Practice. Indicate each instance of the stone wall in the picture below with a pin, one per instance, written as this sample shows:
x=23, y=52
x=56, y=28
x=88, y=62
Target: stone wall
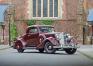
x=67, y=24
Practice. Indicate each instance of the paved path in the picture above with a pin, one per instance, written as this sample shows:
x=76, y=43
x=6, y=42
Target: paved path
x=86, y=50
x=10, y=57
x=60, y=58
x=2, y=47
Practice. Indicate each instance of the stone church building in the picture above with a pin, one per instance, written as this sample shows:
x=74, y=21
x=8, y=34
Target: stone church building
x=64, y=13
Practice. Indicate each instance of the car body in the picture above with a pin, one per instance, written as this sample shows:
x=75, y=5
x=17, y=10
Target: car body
x=44, y=37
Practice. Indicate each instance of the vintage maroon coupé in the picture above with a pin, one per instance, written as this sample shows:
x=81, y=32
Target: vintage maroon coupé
x=43, y=37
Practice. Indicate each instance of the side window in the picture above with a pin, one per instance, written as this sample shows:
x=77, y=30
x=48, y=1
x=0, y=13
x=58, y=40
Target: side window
x=33, y=30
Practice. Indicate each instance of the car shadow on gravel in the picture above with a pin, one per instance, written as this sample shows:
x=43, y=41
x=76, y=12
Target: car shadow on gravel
x=35, y=52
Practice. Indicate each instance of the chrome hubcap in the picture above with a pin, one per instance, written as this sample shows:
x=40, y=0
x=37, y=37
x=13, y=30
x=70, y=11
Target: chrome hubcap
x=50, y=47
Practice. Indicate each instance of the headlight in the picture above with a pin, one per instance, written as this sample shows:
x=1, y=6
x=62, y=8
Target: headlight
x=59, y=36
x=69, y=37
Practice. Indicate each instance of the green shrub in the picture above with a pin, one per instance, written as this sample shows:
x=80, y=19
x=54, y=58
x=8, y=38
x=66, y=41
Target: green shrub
x=13, y=32
x=43, y=22
x=47, y=22
x=31, y=22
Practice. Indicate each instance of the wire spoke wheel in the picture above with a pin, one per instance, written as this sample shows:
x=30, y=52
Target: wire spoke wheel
x=70, y=50
x=49, y=48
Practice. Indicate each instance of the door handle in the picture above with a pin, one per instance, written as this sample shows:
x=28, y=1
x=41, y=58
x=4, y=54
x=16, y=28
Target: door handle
x=28, y=35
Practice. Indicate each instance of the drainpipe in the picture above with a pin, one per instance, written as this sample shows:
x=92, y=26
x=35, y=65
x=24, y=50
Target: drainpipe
x=83, y=35
x=92, y=36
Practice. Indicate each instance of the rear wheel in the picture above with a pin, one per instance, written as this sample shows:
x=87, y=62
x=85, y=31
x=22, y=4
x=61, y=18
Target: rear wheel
x=41, y=50
x=49, y=48
x=19, y=49
x=70, y=50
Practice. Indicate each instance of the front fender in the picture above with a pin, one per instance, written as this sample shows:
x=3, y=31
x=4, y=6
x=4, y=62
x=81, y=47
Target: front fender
x=52, y=40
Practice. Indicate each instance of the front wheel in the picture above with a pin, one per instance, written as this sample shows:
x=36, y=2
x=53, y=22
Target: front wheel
x=49, y=48
x=70, y=50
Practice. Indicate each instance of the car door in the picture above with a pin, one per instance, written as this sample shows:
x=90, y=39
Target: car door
x=33, y=37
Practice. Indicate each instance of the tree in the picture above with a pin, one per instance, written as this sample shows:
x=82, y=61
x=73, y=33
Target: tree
x=13, y=31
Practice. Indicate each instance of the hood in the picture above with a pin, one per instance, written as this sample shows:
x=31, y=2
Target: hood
x=51, y=34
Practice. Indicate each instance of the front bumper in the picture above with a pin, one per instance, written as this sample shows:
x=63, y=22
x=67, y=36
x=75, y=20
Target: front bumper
x=66, y=46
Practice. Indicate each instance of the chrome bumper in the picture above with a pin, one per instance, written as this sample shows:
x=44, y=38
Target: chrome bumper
x=70, y=46
x=67, y=46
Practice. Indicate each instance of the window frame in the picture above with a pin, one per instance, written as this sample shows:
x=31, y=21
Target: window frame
x=60, y=11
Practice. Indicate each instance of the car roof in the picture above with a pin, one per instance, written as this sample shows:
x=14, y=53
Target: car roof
x=40, y=26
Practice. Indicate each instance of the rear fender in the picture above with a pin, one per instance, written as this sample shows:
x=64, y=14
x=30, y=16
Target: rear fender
x=20, y=43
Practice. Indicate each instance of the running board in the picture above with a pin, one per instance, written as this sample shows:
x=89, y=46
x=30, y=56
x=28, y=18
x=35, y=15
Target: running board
x=29, y=47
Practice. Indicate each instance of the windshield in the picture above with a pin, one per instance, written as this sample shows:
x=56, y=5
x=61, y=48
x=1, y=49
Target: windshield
x=46, y=29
